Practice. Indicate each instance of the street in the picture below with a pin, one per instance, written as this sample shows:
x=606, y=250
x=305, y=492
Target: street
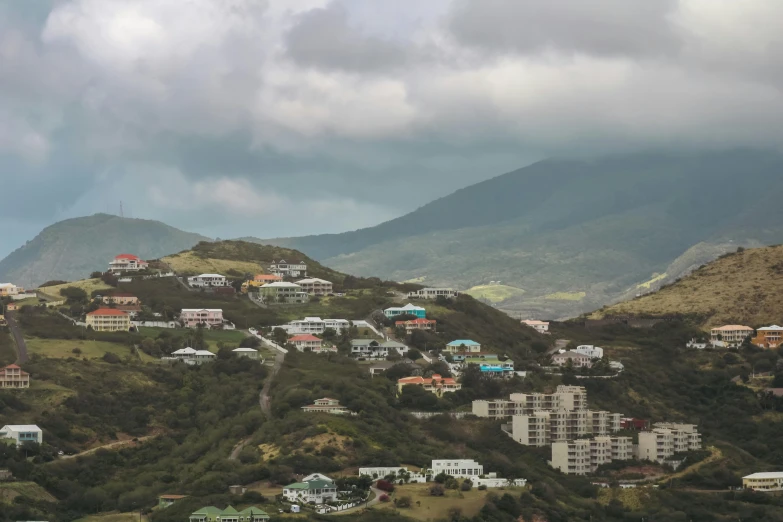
x=16, y=332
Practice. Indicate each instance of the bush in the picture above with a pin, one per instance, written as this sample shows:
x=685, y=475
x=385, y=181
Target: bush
x=111, y=358
x=436, y=490
x=404, y=502
x=466, y=485
x=482, y=487
x=77, y=351
x=385, y=485
x=384, y=498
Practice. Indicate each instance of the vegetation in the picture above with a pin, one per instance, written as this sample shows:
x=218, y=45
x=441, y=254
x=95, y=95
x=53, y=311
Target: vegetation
x=494, y=293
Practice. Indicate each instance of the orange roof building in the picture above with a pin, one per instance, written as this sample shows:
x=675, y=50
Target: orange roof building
x=730, y=335
x=768, y=336
x=267, y=278
x=108, y=320
x=12, y=376
x=436, y=384
x=417, y=324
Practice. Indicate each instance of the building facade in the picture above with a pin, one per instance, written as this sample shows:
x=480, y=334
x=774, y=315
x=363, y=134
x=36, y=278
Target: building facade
x=568, y=398
x=730, y=335
x=766, y=481
x=433, y=293
x=314, y=325
x=578, y=360
x=192, y=356
x=768, y=337
x=666, y=439
x=458, y=468
x=318, y=491
x=127, y=263
x=416, y=324
x=374, y=349
x=539, y=326
x=315, y=286
x=108, y=320
x=9, y=289
x=408, y=309
x=326, y=405
x=462, y=346
x=435, y=384
x=208, y=280
x=306, y=342
x=213, y=514
x=544, y=427
x=250, y=353
x=209, y=317
x=596, y=352
x=583, y=456
x=12, y=376
x=120, y=299
x=282, y=292
x=22, y=433
x=283, y=268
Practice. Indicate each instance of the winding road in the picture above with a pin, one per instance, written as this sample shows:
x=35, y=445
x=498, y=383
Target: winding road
x=16, y=332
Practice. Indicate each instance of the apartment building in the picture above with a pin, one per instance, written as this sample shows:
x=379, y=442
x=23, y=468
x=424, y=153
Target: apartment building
x=315, y=286
x=208, y=280
x=730, y=335
x=108, y=320
x=542, y=428
x=580, y=457
x=768, y=336
x=767, y=481
x=564, y=398
x=433, y=293
x=282, y=292
x=127, y=263
x=463, y=468
x=210, y=317
x=416, y=324
x=12, y=376
x=666, y=439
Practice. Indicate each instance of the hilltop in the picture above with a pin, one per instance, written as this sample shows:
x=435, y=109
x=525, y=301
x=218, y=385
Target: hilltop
x=742, y=287
x=73, y=248
x=573, y=235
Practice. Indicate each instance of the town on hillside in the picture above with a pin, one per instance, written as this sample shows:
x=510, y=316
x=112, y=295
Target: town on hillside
x=283, y=378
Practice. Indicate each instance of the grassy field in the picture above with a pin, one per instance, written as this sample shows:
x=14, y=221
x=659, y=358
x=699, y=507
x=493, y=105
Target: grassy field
x=436, y=508
x=88, y=285
x=741, y=288
x=211, y=336
x=189, y=263
x=10, y=490
x=566, y=296
x=495, y=293
x=114, y=517
x=60, y=348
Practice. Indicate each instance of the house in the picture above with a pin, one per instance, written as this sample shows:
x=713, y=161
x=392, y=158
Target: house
x=766, y=481
x=192, y=356
x=435, y=384
x=259, y=280
x=666, y=439
x=282, y=292
x=165, y=501
x=372, y=348
x=583, y=456
x=108, y=320
x=462, y=345
x=433, y=293
x=208, y=317
x=768, y=336
x=595, y=352
x=416, y=324
x=315, y=286
x=314, y=325
x=578, y=360
x=250, y=353
x=8, y=289
x=283, y=268
x=312, y=491
x=22, y=433
x=213, y=514
x=492, y=367
x=457, y=468
x=539, y=326
x=327, y=405
x=120, y=299
x=12, y=376
x=127, y=263
x=476, y=356
x=730, y=335
x=207, y=280
x=306, y=342
x=397, y=473
x=408, y=309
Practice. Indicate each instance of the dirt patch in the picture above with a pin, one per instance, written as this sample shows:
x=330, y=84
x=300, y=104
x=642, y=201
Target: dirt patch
x=268, y=451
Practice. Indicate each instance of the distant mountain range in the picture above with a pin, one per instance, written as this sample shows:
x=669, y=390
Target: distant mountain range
x=73, y=248
x=565, y=237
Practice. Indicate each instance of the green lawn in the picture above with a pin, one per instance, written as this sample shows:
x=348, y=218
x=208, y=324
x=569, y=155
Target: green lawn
x=61, y=348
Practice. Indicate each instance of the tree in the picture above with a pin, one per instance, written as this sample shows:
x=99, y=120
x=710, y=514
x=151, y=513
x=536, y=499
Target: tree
x=404, y=502
x=437, y=490
x=413, y=354
x=279, y=336
x=466, y=485
x=74, y=295
x=330, y=334
x=416, y=397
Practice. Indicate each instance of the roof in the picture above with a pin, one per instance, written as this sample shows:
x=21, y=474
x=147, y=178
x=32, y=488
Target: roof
x=204, y=352
x=729, y=327
x=408, y=306
x=419, y=320
x=209, y=510
x=571, y=355
x=244, y=350
x=184, y=351
x=172, y=497
x=127, y=256
x=202, y=310
x=22, y=427
x=466, y=342
x=765, y=475
x=12, y=366
x=210, y=275
x=534, y=321
x=427, y=380
x=313, y=484
x=304, y=337
x=297, y=485
x=281, y=284
x=7, y=285
x=774, y=327
x=314, y=280
x=107, y=311
x=120, y=294
x=267, y=277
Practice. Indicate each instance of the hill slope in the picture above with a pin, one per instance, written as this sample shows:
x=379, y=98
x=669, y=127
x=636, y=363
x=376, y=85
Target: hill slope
x=743, y=288
x=599, y=227
x=75, y=247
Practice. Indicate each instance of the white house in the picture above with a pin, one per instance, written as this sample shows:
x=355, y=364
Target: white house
x=458, y=468
x=207, y=280
x=596, y=352
x=539, y=326
x=127, y=263
x=314, y=489
x=315, y=286
x=9, y=289
x=397, y=473
x=764, y=481
x=372, y=348
x=408, y=309
x=250, y=353
x=433, y=293
x=192, y=356
x=283, y=268
x=463, y=345
x=314, y=325
x=22, y=433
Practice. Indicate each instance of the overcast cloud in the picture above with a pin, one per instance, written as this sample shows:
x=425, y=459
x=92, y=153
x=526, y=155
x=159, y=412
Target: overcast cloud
x=282, y=117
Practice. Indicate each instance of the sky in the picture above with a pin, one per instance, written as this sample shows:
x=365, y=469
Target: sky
x=290, y=117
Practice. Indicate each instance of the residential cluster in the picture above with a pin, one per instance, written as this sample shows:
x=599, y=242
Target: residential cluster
x=213, y=514
x=457, y=468
x=733, y=335
x=582, y=439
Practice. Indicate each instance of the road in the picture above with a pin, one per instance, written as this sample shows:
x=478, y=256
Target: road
x=560, y=344
x=111, y=445
x=21, y=346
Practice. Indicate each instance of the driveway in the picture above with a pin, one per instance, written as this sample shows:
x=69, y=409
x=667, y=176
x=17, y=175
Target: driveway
x=16, y=332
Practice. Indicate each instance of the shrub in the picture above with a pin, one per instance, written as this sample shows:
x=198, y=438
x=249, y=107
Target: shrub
x=466, y=485
x=77, y=351
x=404, y=502
x=111, y=358
x=384, y=485
x=436, y=490
x=482, y=487
x=384, y=498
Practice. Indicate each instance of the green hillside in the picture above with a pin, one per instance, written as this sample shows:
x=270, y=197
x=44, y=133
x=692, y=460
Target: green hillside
x=74, y=248
x=600, y=227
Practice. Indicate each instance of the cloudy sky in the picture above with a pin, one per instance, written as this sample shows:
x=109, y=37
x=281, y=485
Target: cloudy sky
x=287, y=117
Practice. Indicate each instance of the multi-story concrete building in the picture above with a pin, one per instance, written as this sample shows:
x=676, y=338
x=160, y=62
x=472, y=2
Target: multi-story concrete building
x=127, y=263
x=315, y=286
x=433, y=293
x=282, y=292
x=730, y=335
x=580, y=457
x=666, y=439
x=209, y=317
x=416, y=324
x=283, y=268
x=765, y=481
x=564, y=398
x=208, y=280
x=12, y=376
x=462, y=468
x=314, y=325
x=108, y=320
x=768, y=336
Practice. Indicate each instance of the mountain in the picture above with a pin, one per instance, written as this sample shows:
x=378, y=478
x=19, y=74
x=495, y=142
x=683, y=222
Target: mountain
x=573, y=235
x=738, y=288
x=73, y=248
